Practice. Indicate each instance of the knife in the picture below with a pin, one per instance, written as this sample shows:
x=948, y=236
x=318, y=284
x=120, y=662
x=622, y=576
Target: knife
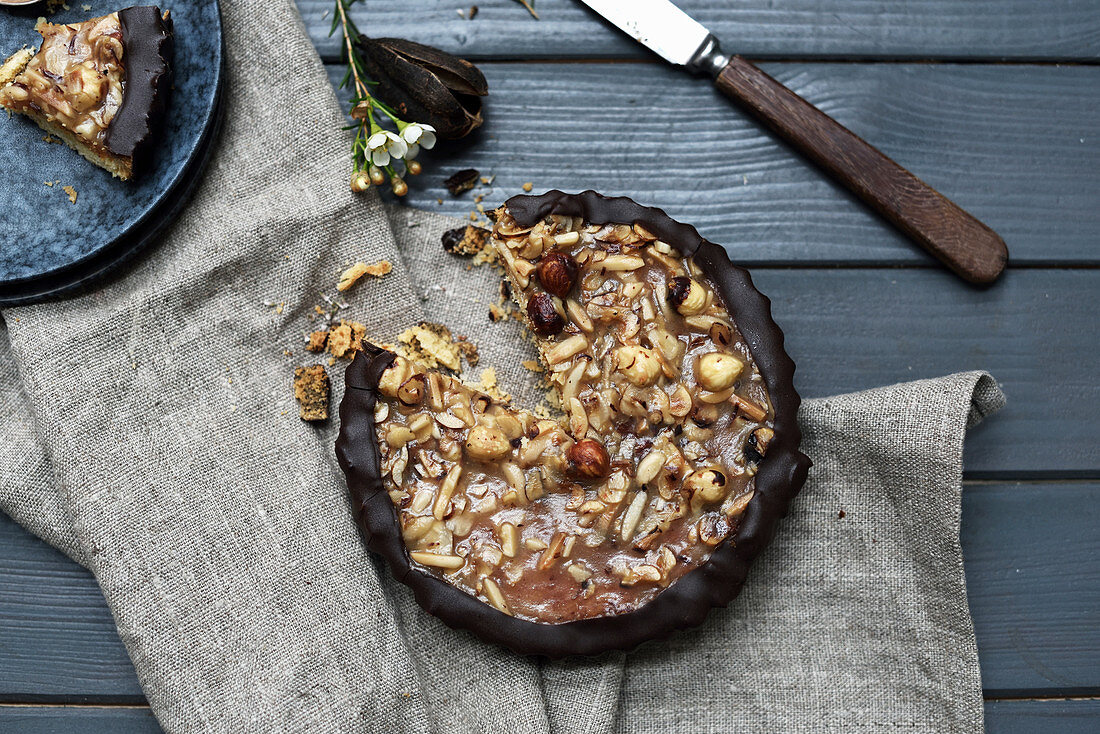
x=966, y=246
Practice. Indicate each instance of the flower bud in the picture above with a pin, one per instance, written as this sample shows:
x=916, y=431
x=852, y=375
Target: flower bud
x=413, y=167
x=377, y=177
x=360, y=182
x=399, y=187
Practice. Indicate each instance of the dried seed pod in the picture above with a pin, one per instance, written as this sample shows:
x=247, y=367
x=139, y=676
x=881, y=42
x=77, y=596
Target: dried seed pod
x=557, y=273
x=457, y=183
x=687, y=295
x=425, y=84
x=588, y=458
x=545, y=319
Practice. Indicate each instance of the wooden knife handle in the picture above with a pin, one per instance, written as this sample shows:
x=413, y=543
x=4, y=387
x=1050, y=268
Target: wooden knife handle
x=972, y=250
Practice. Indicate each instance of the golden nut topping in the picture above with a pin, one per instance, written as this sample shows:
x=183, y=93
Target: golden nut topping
x=638, y=364
x=86, y=86
x=392, y=378
x=485, y=443
x=717, y=371
x=708, y=485
x=412, y=390
x=545, y=319
x=588, y=458
x=688, y=296
x=557, y=272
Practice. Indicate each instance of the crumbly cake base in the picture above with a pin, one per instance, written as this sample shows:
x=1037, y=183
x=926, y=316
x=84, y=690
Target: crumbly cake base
x=118, y=167
x=13, y=66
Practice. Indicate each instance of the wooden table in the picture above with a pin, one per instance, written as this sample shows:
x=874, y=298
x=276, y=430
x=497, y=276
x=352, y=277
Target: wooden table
x=994, y=103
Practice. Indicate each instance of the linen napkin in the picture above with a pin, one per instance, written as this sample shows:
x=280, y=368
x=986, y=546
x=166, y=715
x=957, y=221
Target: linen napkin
x=151, y=434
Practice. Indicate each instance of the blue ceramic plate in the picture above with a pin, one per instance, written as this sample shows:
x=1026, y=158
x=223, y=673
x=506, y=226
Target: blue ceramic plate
x=49, y=246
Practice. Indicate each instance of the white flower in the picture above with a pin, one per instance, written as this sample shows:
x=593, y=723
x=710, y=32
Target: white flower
x=384, y=145
x=414, y=151
x=419, y=134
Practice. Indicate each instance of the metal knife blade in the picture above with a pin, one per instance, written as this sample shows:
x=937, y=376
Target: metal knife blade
x=658, y=25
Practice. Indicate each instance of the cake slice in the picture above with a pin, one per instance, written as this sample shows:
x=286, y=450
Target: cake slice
x=100, y=85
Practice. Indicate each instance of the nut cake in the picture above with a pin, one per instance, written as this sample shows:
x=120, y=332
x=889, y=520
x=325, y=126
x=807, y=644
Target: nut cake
x=99, y=85
x=642, y=506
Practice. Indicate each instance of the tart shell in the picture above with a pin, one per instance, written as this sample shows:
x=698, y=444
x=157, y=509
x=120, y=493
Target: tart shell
x=686, y=602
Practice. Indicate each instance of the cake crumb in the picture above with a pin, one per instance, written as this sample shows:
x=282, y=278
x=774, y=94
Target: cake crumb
x=488, y=385
x=49, y=183
x=71, y=192
x=468, y=240
x=432, y=344
x=352, y=275
x=532, y=365
x=315, y=342
x=528, y=187
x=468, y=350
x=841, y=515
x=312, y=390
x=340, y=340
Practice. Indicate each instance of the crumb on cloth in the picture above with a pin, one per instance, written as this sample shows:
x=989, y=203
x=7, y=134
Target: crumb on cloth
x=433, y=345
x=312, y=391
x=352, y=275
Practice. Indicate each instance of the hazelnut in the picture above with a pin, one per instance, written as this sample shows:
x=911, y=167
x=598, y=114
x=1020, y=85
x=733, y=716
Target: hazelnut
x=588, y=458
x=763, y=436
x=687, y=296
x=393, y=377
x=485, y=443
x=557, y=273
x=718, y=371
x=411, y=391
x=709, y=485
x=720, y=334
x=544, y=318
x=638, y=364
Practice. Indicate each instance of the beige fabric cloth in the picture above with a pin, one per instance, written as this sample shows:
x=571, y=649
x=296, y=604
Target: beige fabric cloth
x=151, y=433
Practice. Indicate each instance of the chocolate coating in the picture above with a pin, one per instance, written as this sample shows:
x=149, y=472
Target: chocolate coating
x=686, y=602
x=147, y=38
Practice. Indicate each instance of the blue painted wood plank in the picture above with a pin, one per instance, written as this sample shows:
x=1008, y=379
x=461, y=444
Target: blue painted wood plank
x=1043, y=717
x=942, y=29
x=983, y=135
x=58, y=641
x=1035, y=331
x=1032, y=560
x=77, y=720
x=1031, y=555
x=1001, y=717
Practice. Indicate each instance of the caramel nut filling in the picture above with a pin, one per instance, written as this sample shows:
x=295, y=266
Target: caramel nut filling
x=75, y=80
x=665, y=418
